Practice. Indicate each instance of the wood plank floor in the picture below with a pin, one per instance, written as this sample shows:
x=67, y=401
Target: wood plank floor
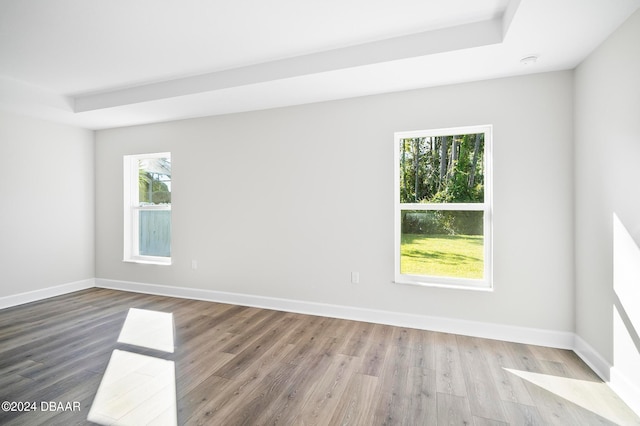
x=240, y=365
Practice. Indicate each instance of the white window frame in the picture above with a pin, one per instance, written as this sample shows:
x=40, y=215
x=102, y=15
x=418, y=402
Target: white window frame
x=486, y=282
x=132, y=208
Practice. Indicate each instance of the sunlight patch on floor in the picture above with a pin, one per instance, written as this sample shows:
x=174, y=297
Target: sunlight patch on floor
x=596, y=397
x=139, y=389
x=136, y=390
x=148, y=329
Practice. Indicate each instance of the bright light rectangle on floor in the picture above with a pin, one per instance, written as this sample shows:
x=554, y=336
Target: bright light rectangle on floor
x=149, y=329
x=136, y=390
x=594, y=396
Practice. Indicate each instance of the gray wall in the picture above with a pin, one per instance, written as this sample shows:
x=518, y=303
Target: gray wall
x=47, y=199
x=607, y=200
x=287, y=202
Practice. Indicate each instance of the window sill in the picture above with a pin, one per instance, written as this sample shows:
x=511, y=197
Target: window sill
x=149, y=261
x=449, y=286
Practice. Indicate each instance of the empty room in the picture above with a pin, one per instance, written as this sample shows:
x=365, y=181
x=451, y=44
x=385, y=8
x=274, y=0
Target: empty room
x=382, y=213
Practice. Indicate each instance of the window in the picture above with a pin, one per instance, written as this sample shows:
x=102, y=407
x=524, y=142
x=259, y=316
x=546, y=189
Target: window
x=147, y=208
x=443, y=207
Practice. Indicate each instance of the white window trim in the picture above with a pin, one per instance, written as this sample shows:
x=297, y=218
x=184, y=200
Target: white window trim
x=486, y=282
x=131, y=210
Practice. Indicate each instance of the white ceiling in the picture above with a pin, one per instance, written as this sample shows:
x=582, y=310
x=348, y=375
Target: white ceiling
x=100, y=64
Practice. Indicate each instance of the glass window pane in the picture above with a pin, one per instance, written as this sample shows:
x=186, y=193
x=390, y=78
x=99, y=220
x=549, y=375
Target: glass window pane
x=154, y=178
x=442, y=243
x=155, y=233
x=442, y=169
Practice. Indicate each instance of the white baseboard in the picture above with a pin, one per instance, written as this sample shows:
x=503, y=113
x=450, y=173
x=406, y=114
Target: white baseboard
x=625, y=389
x=533, y=336
x=45, y=293
x=592, y=358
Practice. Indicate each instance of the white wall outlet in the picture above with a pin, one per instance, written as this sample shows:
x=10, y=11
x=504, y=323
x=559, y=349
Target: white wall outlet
x=194, y=264
x=355, y=277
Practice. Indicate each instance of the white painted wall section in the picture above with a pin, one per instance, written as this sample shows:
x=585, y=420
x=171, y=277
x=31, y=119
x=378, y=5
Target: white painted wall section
x=607, y=153
x=286, y=203
x=47, y=214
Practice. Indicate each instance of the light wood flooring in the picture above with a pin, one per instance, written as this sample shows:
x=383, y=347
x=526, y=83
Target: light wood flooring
x=240, y=365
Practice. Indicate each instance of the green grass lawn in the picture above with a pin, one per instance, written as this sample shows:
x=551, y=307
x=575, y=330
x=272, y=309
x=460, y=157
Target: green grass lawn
x=459, y=256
